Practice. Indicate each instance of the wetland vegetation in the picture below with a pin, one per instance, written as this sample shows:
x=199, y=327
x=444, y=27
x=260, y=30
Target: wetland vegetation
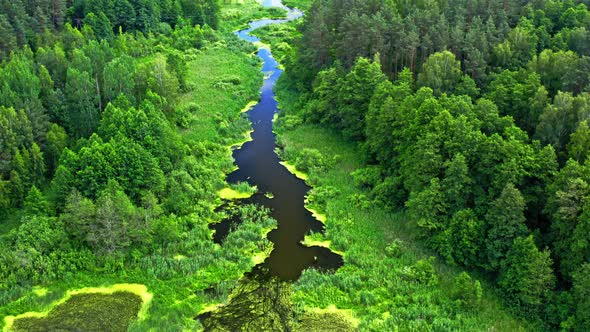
x=371, y=165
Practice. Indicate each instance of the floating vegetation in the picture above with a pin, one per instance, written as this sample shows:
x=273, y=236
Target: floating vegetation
x=239, y=191
x=258, y=303
x=88, y=309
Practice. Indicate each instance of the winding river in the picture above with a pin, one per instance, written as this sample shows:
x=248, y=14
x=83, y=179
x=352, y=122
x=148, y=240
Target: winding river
x=260, y=301
x=259, y=165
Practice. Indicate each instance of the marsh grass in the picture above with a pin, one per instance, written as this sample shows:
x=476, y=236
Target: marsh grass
x=193, y=273
x=301, y=4
x=235, y=15
x=280, y=37
x=219, y=117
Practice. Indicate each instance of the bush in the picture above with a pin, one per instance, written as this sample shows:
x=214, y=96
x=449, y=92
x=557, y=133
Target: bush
x=367, y=177
x=390, y=193
x=227, y=81
x=321, y=195
x=466, y=292
x=310, y=159
x=424, y=272
x=289, y=122
x=395, y=248
x=182, y=117
x=360, y=201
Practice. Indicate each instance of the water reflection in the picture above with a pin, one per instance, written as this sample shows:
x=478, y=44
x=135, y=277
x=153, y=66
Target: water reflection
x=260, y=302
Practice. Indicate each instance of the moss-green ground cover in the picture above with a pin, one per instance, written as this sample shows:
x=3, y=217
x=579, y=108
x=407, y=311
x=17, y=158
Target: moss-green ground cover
x=91, y=309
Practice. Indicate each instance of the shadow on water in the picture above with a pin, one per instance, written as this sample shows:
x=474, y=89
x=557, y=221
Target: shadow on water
x=261, y=300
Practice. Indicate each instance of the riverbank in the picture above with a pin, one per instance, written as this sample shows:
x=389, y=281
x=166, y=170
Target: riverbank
x=190, y=273
x=388, y=281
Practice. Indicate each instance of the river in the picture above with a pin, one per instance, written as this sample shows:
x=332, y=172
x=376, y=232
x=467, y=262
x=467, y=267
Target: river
x=259, y=165
x=261, y=300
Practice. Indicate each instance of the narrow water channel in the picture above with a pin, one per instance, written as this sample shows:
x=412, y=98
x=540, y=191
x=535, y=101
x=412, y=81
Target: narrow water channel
x=261, y=300
x=259, y=165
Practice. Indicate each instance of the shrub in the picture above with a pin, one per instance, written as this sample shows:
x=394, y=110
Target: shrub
x=466, y=292
x=182, y=117
x=321, y=195
x=367, y=177
x=395, y=248
x=310, y=159
x=390, y=193
x=227, y=81
x=289, y=122
x=360, y=201
x=424, y=272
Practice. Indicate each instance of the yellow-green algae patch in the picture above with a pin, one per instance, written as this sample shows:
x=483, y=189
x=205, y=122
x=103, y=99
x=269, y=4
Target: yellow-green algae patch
x=92, y=308
x=249, y=106
x=310, y=242
x=232, y=194
x=293, y=170
x=247, y=138
x=260, y=257
x=319, y=240
x=329, y=319
x=319, y=216
x=40, y=291
x=210, y=308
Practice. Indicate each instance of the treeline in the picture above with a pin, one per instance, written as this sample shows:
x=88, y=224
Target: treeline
x=31, y=22
x=473, y=116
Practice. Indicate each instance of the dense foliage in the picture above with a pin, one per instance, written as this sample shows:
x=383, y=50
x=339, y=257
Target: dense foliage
x=33, y=22
x=101, y=181
x=473, y=116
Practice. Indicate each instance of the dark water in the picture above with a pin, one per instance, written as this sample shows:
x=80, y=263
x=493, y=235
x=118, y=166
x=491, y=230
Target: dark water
x=259, y=165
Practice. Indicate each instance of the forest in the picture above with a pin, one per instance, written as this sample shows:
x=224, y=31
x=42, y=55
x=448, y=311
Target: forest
x=115, y=123
x=445, y=142
x=472, y=117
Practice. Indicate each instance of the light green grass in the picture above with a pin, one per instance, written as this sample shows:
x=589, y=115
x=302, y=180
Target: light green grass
x=219, y=106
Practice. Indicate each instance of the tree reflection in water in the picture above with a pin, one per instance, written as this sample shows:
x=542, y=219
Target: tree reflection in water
x=260, y=302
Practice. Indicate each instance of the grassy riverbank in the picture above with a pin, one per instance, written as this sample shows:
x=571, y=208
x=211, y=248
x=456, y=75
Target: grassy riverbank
x=389, y=281
x=301, y=4
x=189, y=273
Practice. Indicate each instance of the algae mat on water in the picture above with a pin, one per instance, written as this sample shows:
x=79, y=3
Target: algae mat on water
x=89, y=309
